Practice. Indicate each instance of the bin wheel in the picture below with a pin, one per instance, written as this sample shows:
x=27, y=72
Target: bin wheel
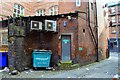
x=35, y=68
x=49, y=68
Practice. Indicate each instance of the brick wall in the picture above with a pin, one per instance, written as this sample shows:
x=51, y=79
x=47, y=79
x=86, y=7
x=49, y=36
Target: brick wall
x=9, y=11
x=117, y=21
x=43, y=5
x=70, y=29
x=63, y=7
x=86, y=42
x=74, y=27
x=103, y=29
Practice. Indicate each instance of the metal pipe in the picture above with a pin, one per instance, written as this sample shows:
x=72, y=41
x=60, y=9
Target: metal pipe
x=20, y=21
x=94, y=40
x=8, y=25
x=97, y=55
x=117, y=37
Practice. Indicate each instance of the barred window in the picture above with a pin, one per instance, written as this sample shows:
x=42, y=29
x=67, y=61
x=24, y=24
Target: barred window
x=53, y=10
x=118, y=8
x=113, y=19
x=4, y=37
x=119, y=18
x=113, y=9
x=18, y=10
x=40, y=12
x=113, y=30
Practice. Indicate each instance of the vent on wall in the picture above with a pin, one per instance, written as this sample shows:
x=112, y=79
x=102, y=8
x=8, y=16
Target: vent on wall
x=50, y=25
x=36, y=25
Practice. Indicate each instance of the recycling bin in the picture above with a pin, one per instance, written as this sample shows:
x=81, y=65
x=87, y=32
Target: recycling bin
x=3, y=59
x=41, y=58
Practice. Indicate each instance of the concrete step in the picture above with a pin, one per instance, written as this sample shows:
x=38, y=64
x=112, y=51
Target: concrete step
x=67, y=65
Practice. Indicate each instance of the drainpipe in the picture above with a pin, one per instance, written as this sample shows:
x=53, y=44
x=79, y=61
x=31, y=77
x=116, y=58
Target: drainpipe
x=96, y=25
x=93, y=37
x=117, y=38
x=8, y=25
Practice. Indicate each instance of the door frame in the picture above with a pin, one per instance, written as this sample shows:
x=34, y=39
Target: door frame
x=66, y=34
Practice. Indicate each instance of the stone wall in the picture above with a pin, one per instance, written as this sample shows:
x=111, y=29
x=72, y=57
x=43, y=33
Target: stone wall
x=16, y=54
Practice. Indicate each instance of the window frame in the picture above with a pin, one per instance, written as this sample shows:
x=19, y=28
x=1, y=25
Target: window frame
x=20, y=10
x=118, y=8
x=113, y=9
x=78, y=2
x=112, y=30
x=39, y=0
x=53, y=10
x=91, y=5
x=6, y=33
x=113, y=19
x=118, y=18
x=40, y=12
x=56, y=10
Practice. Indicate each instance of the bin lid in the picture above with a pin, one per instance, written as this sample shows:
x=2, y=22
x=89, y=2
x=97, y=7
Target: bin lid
x=3, y=51
x=36, y=50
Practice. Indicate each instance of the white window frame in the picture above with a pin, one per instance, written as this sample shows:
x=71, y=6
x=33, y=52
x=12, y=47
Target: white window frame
x=113, y=30
x=40, y=12
x=4, y=32
x=52, y=10
x=39, y=0
x=119, y=18
x=56, y=10
x=78, y=2
x=113, y=10
x=20, y=8
x=113, y=19
x=118, y=8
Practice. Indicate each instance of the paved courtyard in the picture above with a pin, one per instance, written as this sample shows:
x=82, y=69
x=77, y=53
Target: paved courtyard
x=104, y=69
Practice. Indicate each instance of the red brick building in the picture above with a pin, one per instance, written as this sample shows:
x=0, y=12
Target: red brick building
x=76, y=34
x=114, y=26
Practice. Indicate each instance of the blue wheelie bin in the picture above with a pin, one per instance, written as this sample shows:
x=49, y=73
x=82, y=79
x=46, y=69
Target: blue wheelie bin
x=41, y=58
x=3, y=59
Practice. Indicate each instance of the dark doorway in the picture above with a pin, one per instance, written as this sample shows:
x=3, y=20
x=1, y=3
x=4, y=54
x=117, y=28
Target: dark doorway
x=113, y=46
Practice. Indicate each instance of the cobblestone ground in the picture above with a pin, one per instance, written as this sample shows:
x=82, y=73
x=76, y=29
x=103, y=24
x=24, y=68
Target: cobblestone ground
x=104, y=69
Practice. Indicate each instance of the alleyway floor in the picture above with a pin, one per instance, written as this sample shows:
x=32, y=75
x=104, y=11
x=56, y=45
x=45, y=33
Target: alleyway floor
x=104, y=69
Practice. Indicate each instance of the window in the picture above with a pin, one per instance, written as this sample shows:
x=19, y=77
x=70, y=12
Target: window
x=78, y=2
x=112, y=9
x=118, y=8
x=4, y=37
x=18, y=10
x=53, y=10
x=113, y=19
x=91, y=6
x=56, y=10
x=113, y=30
x=119, y=18
x=39, y=0
x=40, y=12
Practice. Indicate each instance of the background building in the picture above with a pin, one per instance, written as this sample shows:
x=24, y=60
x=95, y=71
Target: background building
x=114, y=26
x=103, y=29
